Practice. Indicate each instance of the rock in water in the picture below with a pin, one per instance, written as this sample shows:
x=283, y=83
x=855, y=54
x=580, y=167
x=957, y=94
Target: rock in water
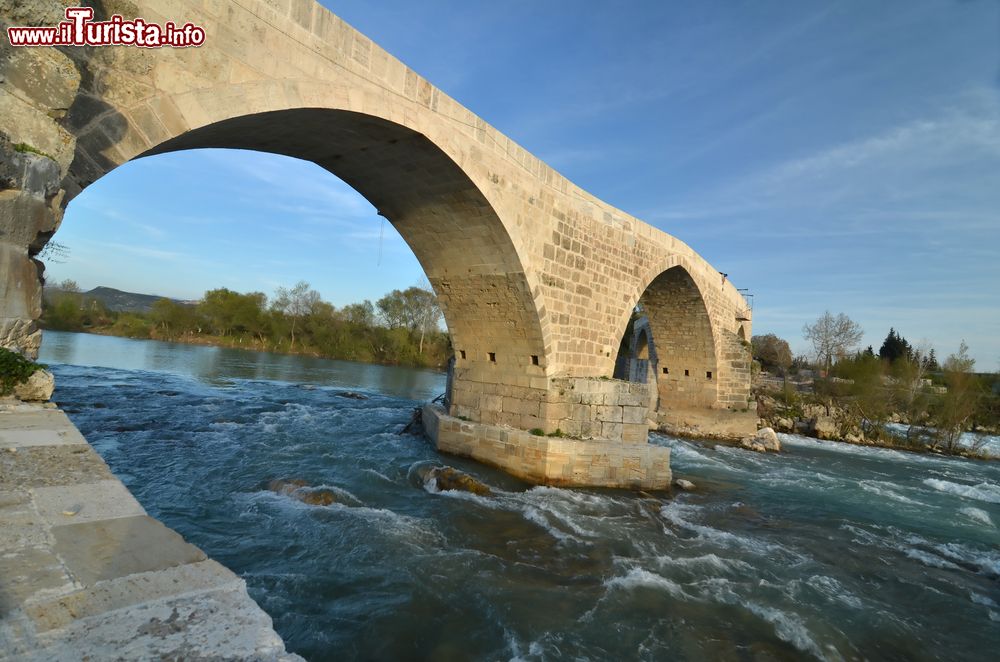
x=684, y=484
x=751, y=444
x=352, y=395
x=286, y=485
x=452, y=479
x=447, y=478
x=767, y=438
x=300, y=490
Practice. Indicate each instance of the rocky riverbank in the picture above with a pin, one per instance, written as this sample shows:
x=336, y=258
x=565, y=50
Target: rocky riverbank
x=831, y=422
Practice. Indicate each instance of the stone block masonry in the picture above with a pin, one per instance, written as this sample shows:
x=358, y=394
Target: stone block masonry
x=85, y=573
x=550, y=460
x=537, y=278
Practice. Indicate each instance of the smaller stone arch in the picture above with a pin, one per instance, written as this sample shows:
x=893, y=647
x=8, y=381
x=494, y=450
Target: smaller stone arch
x=679, y=323
x=698, y=349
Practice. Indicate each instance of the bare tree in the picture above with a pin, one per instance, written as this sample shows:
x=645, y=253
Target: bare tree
x=68, y=285
x=295, y=303
x=832, y=337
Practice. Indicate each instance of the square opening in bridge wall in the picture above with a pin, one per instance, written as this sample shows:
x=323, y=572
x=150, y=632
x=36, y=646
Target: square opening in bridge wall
x=666, y=371
x=493, y=357
x=534, y=359
x=708, y=374
x=461, y=353
x=687, y=373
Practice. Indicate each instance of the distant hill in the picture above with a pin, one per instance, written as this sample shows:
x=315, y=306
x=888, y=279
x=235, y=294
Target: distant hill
x=122, y=302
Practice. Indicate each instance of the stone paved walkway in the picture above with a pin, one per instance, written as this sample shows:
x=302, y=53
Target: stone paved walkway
x=85, y=573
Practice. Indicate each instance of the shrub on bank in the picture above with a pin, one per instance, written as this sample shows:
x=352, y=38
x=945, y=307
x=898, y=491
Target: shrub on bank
x=15, y=369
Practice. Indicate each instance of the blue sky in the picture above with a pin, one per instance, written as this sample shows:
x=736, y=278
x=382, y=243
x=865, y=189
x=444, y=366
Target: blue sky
x=841, y=156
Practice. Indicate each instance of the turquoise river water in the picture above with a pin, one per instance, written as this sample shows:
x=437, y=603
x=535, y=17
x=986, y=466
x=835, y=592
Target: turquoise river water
x=825, y=551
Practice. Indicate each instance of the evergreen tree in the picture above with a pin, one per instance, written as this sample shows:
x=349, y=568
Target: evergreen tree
x=930, y=362
x=895, y=347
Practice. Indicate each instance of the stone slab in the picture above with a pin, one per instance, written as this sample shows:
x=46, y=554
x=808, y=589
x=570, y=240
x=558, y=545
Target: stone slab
x=16, y=416
x=20, y=524
x=28, y=571
x=110, y=595
x=41, y=466
x=224, y=624
x=39, y=437
x=107, y=582
x=106, y=549
x=87, y=502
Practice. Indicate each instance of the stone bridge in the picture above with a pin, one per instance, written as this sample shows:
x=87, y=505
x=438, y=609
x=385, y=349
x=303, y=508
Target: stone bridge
x=538, y=279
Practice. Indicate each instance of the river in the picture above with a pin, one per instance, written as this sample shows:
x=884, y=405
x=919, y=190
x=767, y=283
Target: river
x=826, y=551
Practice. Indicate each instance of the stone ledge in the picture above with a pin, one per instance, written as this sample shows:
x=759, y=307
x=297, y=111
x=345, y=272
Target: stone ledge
x=723, y=424
x=85, y=574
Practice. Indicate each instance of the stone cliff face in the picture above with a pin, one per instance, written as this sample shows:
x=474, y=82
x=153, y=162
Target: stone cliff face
x=39, y=88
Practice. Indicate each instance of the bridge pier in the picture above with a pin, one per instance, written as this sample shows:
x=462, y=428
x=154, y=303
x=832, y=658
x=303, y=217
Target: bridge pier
x=578, y=431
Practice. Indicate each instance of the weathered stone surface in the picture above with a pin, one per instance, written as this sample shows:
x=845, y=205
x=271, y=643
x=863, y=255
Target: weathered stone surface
x=448, y=478
x=108, y=595
x=784, y=424
x=44, y=75
x=767, y=438
x=21, y=335
x=20, y=290
x=37, y=388
x=110, y=548
x=87, y=502
x=301, y=490
x=33, y=12
x=40, y=466
x=113, y=584
x=551, y=461
x=825, y=427
x=221, y=624
x=24, y=438
x=684, y=484
x=26, y=572
x=25, y=123
x=751, y=444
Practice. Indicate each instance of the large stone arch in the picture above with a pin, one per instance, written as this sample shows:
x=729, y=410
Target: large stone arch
x=537, y=276
x=453, y=230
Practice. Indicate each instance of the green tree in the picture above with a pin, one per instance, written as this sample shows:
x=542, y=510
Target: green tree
x=414, y=308
x=174, y=319
x=227, y=312
x=295, y=304
x=957, y=406
x=359, y=314
x=772, y=352
x=863, y=396
x=895, y=347
x=930, y=362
